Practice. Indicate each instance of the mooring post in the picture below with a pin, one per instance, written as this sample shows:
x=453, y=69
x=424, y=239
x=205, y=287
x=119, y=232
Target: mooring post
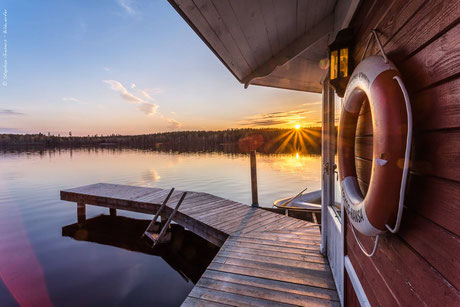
x=255, y=198
x=81, y=213
x=113, y=212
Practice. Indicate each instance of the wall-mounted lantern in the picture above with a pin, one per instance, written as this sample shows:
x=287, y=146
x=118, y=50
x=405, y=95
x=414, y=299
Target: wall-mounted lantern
x=341, y=60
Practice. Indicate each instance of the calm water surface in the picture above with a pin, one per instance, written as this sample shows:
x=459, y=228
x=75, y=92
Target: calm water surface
x=38, y=263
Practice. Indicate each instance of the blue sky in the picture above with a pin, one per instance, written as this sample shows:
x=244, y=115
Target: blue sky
x=128, y=67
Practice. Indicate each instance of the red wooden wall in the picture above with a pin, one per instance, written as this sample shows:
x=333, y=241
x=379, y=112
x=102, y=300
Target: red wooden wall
x=421, y=264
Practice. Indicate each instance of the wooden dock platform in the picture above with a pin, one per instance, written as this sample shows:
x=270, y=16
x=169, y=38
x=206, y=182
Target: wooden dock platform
x=265, y=258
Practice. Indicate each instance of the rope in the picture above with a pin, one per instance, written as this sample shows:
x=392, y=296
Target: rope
x=376, y=243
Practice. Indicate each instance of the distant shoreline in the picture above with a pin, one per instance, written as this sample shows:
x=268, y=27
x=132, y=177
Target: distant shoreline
x=265, y=140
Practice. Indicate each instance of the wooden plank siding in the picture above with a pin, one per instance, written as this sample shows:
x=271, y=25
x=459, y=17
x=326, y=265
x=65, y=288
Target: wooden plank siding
x=245, y=35
x=419, y=265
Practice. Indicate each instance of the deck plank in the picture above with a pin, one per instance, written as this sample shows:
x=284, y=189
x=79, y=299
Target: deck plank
x=265, y=258
x=272, y=284
x=277, y=253
x=259, y=292
x=198, y=302
x=274, y=275
x=231, y=298
x=313, y=277
x=242, y=254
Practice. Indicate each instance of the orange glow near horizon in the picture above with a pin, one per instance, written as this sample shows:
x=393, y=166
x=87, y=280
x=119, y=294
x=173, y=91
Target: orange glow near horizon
x=300, y=137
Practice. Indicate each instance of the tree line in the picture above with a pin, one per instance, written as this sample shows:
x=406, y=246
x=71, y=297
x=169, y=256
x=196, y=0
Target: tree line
x=266, y=140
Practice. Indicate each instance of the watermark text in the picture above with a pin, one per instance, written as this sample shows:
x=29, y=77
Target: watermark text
x=4, y=50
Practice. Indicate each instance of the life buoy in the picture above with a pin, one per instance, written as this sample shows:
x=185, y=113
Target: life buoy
x=377, y=81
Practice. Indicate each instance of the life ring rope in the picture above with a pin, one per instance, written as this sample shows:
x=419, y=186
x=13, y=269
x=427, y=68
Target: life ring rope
x=376, y=243
x=374, y=34
x=402, y=191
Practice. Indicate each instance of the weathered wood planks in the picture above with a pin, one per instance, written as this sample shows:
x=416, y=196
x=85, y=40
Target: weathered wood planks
x=422, y=39
x=265, y=258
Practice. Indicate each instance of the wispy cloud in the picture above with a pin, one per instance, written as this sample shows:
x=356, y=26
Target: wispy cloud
x=107, y=68
x=147, y=93
x=9, y=112
x=117, y=86
x=173, y=124
x=127, y=5
x=70, y=99
x=278, y=118
x=148, y=108
x=145, y=106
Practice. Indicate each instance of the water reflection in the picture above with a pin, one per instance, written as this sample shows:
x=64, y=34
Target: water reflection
x=223, y=174
x=78, y=273
x=188, y=254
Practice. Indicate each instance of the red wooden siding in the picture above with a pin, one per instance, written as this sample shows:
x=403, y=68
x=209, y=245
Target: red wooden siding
x=419, y=265
x=352, y=298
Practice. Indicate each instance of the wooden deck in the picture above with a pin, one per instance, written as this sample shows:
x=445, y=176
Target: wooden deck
x=265, y=258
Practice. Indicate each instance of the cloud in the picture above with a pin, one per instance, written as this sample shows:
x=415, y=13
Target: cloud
x=118, y=87
x=146, y=95
x=8, y=112
x=148, y=108
x=264, y=123
x=71, y=99
x=174, y=124
x=148, y=92
x=127, y=6
x=144, y=105
x=130, y=97
x=312, y=103
x=277, y=118
x=107, y=68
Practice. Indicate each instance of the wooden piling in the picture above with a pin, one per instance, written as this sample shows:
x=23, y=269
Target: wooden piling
x=255, y=197
x=81, y=213
x=113, y=212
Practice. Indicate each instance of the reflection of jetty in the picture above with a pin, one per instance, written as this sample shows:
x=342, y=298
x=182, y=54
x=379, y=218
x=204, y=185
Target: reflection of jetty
x=264, y=257
x=187, y=253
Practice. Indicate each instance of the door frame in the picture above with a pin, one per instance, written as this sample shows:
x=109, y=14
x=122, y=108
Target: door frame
x=332, y=229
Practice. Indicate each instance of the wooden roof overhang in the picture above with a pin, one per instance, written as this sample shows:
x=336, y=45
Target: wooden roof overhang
x=276, y=43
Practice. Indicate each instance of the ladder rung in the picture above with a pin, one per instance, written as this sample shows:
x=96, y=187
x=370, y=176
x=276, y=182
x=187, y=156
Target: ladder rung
x=157, y=238
x=152, y=225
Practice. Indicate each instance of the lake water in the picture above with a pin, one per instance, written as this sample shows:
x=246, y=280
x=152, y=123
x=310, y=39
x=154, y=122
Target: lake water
x=40, y=263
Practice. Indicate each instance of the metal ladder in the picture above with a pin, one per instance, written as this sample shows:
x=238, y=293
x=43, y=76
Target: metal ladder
x=151, y=234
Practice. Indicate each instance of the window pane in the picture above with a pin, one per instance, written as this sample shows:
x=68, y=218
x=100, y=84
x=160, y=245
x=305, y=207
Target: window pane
x=334, y=59
x=344, y=62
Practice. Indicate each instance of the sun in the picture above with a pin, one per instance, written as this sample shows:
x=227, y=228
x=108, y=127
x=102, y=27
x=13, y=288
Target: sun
x=297, y=127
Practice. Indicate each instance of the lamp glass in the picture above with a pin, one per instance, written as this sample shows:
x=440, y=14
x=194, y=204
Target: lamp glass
x=334, y=64
x=343, y=62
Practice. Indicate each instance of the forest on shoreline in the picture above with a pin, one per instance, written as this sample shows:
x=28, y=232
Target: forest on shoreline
x=265, y=140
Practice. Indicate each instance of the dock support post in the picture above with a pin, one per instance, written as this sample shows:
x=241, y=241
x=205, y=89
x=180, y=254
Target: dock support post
x=255, y=197
x=113, y=212
x=81, y=213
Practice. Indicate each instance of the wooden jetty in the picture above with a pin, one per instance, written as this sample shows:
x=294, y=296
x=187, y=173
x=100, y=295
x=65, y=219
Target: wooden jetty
x=265, y=258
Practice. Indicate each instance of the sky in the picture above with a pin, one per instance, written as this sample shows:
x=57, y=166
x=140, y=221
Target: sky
x=124, y=67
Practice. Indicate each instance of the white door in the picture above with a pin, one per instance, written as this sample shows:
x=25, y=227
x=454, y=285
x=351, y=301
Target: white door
x=331, y=225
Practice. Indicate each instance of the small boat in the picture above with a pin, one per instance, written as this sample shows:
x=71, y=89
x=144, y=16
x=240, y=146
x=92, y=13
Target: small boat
x=307, y=201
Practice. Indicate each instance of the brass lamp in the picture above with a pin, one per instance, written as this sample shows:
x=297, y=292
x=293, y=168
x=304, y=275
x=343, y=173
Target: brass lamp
x=341, y=61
